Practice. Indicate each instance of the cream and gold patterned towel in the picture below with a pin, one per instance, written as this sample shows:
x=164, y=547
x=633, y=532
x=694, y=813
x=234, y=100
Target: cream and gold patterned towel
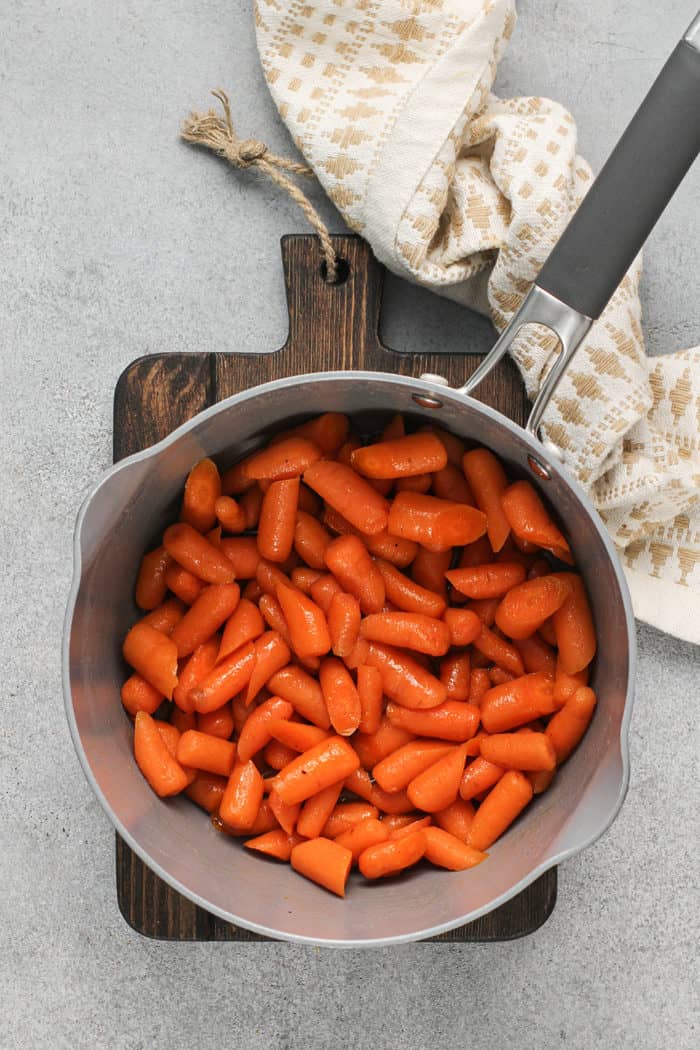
x=390, y=102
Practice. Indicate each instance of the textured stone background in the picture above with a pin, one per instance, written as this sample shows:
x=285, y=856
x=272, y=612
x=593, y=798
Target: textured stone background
x=117, y=241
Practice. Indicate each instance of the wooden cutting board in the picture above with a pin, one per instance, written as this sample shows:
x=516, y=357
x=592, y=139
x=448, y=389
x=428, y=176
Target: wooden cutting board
x=331, y=327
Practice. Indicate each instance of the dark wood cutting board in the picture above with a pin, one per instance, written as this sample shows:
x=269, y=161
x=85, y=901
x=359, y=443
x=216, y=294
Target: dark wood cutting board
x=330, y=327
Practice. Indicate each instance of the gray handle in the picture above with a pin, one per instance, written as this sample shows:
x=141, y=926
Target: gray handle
x=619, y=211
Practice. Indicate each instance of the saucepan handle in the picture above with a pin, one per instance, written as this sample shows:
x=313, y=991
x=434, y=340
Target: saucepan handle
x=614, y=219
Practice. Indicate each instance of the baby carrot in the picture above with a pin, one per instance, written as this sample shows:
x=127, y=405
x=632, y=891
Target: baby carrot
x=202, y=489
x=183, y=584
x=392, y=856
x=310, y=540
x=276, y=843
x=196, y=554
x=463, y=624
x=456, y=818
x=230, y=515
x=308, y=628
x=573, y=627
x=369, y=832
x=341, y=696
x=316, y=811
x=371, y=694
x=256, y=732
x=139, y=695
x=526, y=751
x=530, y=520
x=277, y=755
x=358, y=655
x=295, y=735
x=373, y=747
x=536, y=655
x=225, y=680
x=151, y=584
x=435, y=523
x=274, y=617
x=487, y=581
x=207, y=790
x=540, y=780
x=479, y=685
x=448, y=851
x=285, y=815
x=397, y=770
x=165, y=616
x=515, y=703
x=428, y=570
x=423, y=634
x=323, y=590
x=347, y=558
x=197, y=666
x=319, y=767
x=449, y=483
x=504, y=802
x=309, y=502
x=408, y=595
x=153, y=655
x=567, y=726
x=302, y=578
x=477, y=553
x=216, y=723
x=485, y=609
x=183, y=720
x=487, y=481
x=455, y=675
x=437, y=786
x=304, y=694
x=526, y=607
x=395, y=428
x=348, y=493
x=278, y=519
x=497, y=649
x=452, y=720
x=243, y=554
x=454, y=446
x=347, y=815
x=242, y=797
x=390, y=801
x=565, y=685
x=244, y=625
x=479, y=776
x=163, y=772
x=408, y=829
x=213, y=606
x=324, y=862
x=285, y=459
x=328, y=431
x=271, y=655
x=210, y=753
x=404, y=680
x=400, y=457
x=344, y=617
x=418, y=483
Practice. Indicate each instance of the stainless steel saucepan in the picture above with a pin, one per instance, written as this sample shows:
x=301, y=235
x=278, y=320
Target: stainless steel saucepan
x=135, y=499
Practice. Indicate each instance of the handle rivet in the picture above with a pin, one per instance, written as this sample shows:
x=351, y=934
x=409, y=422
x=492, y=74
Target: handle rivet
x=538, y=468
x=425, y=401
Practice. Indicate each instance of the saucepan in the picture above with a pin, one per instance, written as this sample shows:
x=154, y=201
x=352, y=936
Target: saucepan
x=134, y=501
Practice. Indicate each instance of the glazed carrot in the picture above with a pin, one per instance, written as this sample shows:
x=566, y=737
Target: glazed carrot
x=230, y=515
x=526, y=607
x=502, y=805
x=448, y=851
x=210, y=610
x=435, y=523
x=277, y=844
x=269, y=576
x=477, y=553
x=400, y=457
x=139, y=695
x=395, y=428
x=235, y=480
x=244, y=625
x=348, y=815
x=316, y=811
x=341, y=696
x=456, y=818
x=153, y=655
x=256, y=732
x=449, y=483
x=202, y=751
x=285, y=459
x=277, y=755
x=202, y=489
x=479, y=685
x=371, y=694
x=515, y=703
x=217, y=723
x=479, y=776
x=407, y=594
x=419, y=483
x=295, y=735
x=241, y=712
x=309, y=502
x=348, y=493
x=536, y=655
x=310, y=540
x=497, y=649
x=393, y=821
x=183, y=584
x=308, y=628
x=423, y=634
x=437, y=786
x=274, y=617
x=358, y=656
x=214, y=537
x=225, y=680
x=277, y=519
x=286, y=815
x=388, y=858
x=395, y=550
x=530, y=520
x=565, y=685
x=206, y=790
x=408, y=829
x=199, y=664
x=404, y=679
x=319, y=767
x=398, y=769
x=242, y=797
x=302, y=578
x=151, y=584
x=540, y=780
x=264, y=821
x=323, y=590
x=328, y=431
x=196, y=554
x=304, y=694
x=347, y=558
x=428, y=570
x=567, y=726
x=573, y=627
x=525, y=751
x=455, y=675
x=243, y=553
x=463, y=625
x=487, y=581
x=346, y=450
x=271, y=655
x=164, y=773
x=498, y=676
x=344, y=617
x=485, y=609
x=546, y=633
x=487, y=481
x=324, y=862
x=373, y=747
x=452, y=720
x=165, y=616
x=357, y=839
x=183, y=720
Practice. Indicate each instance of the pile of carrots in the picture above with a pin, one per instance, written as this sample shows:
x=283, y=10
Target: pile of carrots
x=370, y=654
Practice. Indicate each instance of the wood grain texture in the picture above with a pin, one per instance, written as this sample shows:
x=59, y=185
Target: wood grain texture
x=331, y=327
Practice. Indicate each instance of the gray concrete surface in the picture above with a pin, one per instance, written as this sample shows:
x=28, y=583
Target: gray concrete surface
x=118, y=241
